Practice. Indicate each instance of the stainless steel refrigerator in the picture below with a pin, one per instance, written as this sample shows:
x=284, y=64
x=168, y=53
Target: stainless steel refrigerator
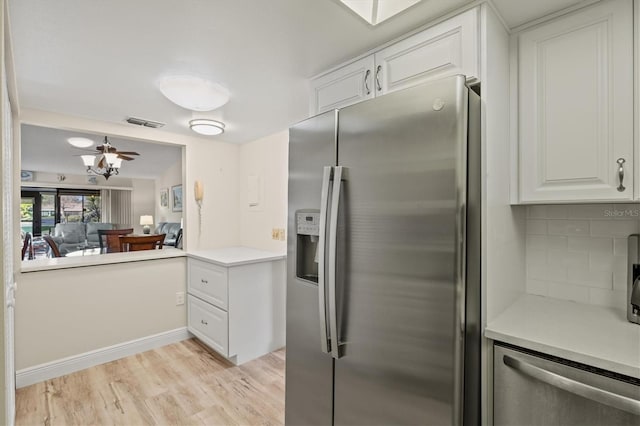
x=383, y=280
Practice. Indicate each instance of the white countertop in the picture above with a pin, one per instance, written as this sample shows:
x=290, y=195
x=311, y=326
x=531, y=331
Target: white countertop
x=593, y=335
x=48, y=264
x=236, y=256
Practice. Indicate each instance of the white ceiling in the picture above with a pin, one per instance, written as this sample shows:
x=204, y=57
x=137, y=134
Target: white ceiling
x=101, y=59
x=47, y=150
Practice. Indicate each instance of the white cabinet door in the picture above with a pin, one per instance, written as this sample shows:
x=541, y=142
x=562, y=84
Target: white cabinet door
x=345, y=86
x=575, y=102
x=445, y=49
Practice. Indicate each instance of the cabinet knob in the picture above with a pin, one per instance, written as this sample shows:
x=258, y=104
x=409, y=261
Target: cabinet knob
x=621, y=162
x=204, y=322
x=378, y=69
x=203, y=281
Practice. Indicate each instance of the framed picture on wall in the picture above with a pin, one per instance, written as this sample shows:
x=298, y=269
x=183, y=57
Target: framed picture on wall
x=176, y=198
x=164, y=197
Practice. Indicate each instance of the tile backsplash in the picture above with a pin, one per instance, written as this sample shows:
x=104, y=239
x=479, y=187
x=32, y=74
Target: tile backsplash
x=579, y=252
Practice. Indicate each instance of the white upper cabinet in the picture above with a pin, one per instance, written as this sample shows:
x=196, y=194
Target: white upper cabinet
x=575, y=106
x=346, y=86
x=447, y=48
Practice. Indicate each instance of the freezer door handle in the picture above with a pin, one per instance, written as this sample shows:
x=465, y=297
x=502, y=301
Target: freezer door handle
x=325, y=343
x=338, y=176
x=578, y=388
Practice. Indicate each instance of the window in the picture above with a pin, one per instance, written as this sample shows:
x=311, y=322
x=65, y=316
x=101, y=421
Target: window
x=79, y=206
x=40, y=210
x=37, y=211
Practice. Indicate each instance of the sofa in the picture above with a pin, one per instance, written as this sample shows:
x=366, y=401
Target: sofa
x=72, y=236
x=171, y=229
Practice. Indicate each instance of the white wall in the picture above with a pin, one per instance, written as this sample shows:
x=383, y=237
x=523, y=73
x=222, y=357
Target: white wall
x=65, y=312
x=217, y=224
x=266, y=158
x=504, y=225
x=143, y=201
x=171, y=177
x=579, y=252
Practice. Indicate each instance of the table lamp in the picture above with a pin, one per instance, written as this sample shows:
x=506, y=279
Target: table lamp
x=146, y=220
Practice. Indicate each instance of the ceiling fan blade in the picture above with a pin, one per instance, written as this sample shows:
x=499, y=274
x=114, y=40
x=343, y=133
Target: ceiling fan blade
x=100, y=148
x=124, y=157
x=128, y=152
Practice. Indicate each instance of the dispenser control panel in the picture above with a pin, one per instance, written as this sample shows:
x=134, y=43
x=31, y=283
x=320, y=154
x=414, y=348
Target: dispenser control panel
x=308, y=223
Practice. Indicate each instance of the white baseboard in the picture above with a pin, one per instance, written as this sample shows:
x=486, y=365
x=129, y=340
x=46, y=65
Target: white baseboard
x=50, y=370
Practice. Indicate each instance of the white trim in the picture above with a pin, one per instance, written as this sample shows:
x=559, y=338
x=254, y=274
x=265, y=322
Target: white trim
x=543, y=19
x=34, y=184
x=61, y=367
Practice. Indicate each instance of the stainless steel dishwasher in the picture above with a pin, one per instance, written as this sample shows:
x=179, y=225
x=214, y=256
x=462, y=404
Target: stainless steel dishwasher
x=535, y=389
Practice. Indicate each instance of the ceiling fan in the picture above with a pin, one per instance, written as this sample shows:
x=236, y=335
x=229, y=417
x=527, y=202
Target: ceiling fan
x=110, y=159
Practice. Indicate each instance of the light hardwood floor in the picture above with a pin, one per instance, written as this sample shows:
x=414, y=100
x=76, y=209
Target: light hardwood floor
x=181, y=384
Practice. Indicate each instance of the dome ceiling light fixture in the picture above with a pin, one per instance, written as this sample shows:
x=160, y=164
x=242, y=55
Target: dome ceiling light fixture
x=205, y=126
x=193, y=93
x=80, y=142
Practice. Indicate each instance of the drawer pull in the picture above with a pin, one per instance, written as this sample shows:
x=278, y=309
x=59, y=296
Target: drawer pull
x=204, y=322
x=203, y=281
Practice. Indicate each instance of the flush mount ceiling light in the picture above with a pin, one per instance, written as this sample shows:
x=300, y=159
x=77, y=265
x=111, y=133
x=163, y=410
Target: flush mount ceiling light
x=205, y=126
x=194, y=93
x=376, y=11
x=80, y=142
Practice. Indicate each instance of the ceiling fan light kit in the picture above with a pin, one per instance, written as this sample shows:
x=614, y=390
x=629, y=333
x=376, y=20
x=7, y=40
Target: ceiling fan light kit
x=110, y=160
x=205, y=126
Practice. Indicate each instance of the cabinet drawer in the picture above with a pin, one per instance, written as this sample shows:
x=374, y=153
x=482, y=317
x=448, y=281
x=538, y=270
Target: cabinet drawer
x=209, y=324
x=208, y=282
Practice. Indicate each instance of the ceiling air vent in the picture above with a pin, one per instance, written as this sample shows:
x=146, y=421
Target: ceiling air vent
x=142, y=122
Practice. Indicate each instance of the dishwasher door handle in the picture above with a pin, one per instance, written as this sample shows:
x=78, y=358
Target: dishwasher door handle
x=602, y=396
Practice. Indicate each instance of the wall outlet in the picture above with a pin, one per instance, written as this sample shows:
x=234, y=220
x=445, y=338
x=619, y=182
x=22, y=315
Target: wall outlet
x=275, y=235
x=180, y=298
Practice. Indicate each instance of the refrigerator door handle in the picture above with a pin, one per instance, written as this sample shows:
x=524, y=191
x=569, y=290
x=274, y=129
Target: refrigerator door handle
x=325, y=342
x=338, y=176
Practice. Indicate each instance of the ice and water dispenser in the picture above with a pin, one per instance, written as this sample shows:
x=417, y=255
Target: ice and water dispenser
x=307, y=230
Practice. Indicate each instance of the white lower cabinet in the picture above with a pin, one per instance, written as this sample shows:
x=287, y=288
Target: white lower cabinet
x=236, y=302
x=575, y=106
x=209, y=324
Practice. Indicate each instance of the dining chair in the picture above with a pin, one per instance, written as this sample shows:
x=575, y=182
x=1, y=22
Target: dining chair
x=27, y=246
x=141, y=242
x=52, y=245
x=109, y=239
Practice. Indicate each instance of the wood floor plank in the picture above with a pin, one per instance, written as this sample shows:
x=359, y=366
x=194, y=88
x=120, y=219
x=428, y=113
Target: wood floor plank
x=183, y=384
